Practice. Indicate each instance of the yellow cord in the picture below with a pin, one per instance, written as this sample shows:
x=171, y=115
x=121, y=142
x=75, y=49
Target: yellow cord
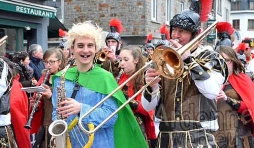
x=73, y=123
x=68, y=141
x=91, y=137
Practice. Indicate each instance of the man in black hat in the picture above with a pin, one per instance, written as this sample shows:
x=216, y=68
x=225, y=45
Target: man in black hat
x=186, y=104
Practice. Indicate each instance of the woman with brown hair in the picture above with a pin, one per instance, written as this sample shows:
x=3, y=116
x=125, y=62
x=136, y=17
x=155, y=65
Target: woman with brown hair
x=131, y=60
x=54, y=61
x=235, y=105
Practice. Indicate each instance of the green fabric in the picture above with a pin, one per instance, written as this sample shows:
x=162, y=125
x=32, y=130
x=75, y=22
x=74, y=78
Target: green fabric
x=126, y=130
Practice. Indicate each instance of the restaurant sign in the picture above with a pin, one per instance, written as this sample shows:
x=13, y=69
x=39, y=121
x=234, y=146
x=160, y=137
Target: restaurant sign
x=30, y=10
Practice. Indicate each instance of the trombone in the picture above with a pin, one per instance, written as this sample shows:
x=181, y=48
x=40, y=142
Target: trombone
x=169, y=63
x=3, y=40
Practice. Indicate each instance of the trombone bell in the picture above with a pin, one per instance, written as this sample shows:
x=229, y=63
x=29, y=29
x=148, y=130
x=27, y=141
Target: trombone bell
x=3, y=40
x=168, y=61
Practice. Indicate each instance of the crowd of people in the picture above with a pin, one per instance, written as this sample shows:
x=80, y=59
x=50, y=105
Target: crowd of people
x=207, y=103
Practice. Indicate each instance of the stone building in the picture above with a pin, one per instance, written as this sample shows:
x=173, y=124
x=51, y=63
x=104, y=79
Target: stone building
x=139, y=17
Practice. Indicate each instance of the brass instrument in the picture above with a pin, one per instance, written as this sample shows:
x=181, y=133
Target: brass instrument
x=169, y=63
x=3, y=40
x=58, y=128
x=36, y=102
x=102, y=56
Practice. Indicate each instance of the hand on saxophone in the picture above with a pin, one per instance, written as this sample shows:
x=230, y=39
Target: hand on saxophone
x=69, y=107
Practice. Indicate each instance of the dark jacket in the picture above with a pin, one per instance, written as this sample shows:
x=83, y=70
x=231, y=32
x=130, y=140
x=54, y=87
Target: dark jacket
x=24, y=76
x=37, y=66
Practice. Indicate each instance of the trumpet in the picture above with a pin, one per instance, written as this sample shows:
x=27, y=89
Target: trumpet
x=166, y=60
x=102, y=56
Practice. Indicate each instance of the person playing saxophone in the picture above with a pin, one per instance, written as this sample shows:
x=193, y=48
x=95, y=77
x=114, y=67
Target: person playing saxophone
x=87, y=84
x=54, y=61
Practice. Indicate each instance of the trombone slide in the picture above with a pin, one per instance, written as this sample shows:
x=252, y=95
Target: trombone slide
x=108, y=96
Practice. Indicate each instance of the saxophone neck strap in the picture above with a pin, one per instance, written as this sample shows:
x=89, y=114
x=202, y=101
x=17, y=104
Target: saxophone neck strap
x=75, y=90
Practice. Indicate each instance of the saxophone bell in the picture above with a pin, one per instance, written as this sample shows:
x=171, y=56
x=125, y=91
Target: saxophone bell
x=58, y=130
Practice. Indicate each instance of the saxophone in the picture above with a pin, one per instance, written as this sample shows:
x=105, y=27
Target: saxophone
x=58, y=128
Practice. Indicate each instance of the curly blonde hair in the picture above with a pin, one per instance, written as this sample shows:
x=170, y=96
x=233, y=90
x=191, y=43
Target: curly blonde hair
x=87, y=30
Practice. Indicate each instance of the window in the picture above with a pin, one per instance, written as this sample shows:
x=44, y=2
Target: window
x=219, y=7
x=227, y=15
x=59, y=5
x=60, y=10
x=167, y=11
x=236, y=24
x=154, y=10
x=235, y=6
x=251, y=5
x=251, y=24
x=181, y=6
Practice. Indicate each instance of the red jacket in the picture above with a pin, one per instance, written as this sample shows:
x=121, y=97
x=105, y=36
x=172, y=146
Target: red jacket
x=148, y=116
x=244, y=87
x=19, y=114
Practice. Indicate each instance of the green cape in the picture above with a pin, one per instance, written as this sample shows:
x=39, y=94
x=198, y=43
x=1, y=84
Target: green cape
x=126, y=130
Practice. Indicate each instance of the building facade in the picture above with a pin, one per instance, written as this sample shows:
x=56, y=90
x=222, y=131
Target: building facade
x=26, y=23
x=139, y=17
x=242, y=17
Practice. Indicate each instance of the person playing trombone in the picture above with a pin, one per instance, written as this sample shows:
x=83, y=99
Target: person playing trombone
x=87, y=84
x=186, y=104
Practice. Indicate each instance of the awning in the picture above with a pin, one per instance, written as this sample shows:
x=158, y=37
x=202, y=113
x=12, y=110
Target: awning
x=54, y=25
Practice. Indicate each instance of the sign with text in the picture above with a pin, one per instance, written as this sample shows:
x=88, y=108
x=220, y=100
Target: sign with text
x=30, y=10
x=212, y=36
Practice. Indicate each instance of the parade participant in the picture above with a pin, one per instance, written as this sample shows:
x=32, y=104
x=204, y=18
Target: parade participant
x=7, y=138
x=35, y=54
x=235, y=105
x=113, y=43
x=22, y=67
x=249, y=47
x=62, y=45
x=121, y=131
x=18, y=109
x=186, y=105
x=248, y=66
x=224, y=34
x=149, y=47
x=54, y=61
x=131, y=60
x=165, y=36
